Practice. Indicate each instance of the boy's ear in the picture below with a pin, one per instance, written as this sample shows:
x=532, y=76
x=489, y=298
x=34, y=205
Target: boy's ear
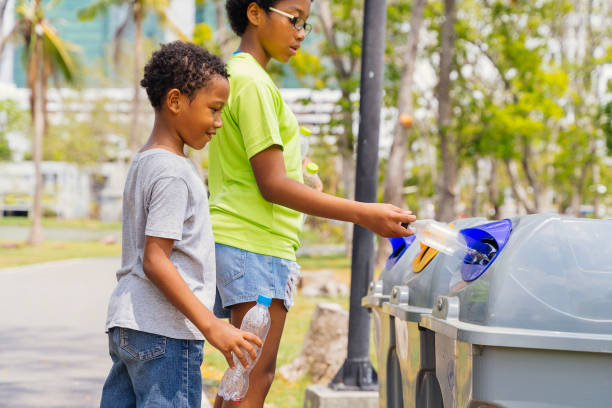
x=254, y=14
x=173, y=100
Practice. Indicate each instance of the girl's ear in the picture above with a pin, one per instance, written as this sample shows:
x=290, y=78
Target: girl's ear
x=255, y=14
x=173, y=101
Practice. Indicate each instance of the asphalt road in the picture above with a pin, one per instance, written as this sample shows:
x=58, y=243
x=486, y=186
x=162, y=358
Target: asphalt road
x=53, y=349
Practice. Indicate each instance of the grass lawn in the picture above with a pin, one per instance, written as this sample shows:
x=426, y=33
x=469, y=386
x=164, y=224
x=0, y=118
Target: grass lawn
x=16, y=254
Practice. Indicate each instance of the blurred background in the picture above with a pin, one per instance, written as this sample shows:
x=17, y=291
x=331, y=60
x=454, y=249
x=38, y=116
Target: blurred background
x=508, y=113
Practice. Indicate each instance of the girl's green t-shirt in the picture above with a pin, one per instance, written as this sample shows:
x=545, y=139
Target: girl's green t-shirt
x=254, y=118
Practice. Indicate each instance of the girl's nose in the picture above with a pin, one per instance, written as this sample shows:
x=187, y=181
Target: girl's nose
x=217, y=123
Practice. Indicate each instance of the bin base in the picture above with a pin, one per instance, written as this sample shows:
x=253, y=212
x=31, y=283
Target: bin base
x=321, y=396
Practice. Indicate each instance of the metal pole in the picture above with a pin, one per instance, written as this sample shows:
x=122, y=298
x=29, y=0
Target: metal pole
x=357, y=372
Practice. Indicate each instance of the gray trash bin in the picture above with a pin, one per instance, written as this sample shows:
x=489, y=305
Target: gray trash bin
x=414, y=297
x=397, y=265
x=533, y=328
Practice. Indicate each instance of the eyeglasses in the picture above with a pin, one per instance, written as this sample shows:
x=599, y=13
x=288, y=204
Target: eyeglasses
x=297, y=22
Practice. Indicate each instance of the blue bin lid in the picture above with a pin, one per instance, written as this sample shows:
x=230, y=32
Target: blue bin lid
x=496, y=234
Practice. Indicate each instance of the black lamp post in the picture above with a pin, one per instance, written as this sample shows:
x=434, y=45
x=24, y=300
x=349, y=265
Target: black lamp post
x=357, y=372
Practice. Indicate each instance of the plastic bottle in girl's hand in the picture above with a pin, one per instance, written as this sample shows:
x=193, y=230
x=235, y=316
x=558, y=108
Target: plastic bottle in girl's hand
x=447, y=240
x=235, y=382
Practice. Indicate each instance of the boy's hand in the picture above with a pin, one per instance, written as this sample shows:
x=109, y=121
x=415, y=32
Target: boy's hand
x=228, y=339
x=386, y=220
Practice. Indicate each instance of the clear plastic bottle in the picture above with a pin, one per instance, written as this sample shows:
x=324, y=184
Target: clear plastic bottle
x=235, y=382
x=447, y=240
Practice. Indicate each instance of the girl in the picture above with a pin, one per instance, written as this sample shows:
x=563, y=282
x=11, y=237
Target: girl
x=256, y=184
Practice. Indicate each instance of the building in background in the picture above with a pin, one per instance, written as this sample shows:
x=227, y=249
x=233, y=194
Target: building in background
x=66, y=189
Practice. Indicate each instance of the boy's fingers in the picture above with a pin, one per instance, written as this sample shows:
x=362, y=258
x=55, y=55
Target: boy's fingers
x=229, y=358
x=248, y=347
x=241, y=357
x=253, y=339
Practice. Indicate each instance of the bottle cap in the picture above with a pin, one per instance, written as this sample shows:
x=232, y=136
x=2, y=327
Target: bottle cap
x=312, y=168
x=305, y=131
x=264, y=300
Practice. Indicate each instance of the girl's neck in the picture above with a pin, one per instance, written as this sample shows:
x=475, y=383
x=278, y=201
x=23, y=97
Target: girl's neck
x=250, y=44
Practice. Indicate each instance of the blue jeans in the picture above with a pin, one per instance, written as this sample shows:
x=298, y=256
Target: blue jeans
x=150, y=370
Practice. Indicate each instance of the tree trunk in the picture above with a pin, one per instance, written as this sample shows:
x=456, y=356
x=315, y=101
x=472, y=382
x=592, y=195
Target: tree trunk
x=494, y=189
x=517, y=188
x=36, y=88
x=135, y=125
x=526, y=162
x=577, y=199
x=475, y=204
x=3, y=4
x=447, y=185
x=222, y=35
x=345, y=140
x=394, y=178
x=596, y=181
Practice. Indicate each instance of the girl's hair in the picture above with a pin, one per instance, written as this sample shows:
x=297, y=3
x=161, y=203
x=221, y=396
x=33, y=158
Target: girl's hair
x=236, y=12
x=180, y=65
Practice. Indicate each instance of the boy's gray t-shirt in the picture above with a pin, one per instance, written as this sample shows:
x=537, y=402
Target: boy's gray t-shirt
x=163, y=197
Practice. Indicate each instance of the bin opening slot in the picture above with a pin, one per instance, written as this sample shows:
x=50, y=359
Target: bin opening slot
x=481, y=252
x=425, y=256
x=486, y=242
x=397, y=251
x=399, y=246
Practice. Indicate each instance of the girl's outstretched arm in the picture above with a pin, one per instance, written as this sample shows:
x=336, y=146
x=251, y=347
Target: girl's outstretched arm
x=274, y=185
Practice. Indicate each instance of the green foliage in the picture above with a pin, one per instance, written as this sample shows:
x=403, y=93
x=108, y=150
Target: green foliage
x=12, y=119
x=85, y=142
x=605, y=119
x=97, y=8
x=16, y=254
x=307, y=64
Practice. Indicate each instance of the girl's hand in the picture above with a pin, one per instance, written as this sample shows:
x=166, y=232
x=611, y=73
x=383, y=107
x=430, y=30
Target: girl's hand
x=230, y=340
x=313, y=181
x=310, y=179
x=386, y=220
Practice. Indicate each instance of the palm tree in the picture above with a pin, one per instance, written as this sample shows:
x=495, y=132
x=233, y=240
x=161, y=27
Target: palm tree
x=46, y=55
x=137, y=11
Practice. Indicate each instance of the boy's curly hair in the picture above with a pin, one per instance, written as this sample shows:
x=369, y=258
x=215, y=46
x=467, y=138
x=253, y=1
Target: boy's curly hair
x=180, y=65
x=236, y=12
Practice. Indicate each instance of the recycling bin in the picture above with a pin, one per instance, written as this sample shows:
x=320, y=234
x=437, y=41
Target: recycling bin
x=429, y=277
x=404, y=250
x=533, y=327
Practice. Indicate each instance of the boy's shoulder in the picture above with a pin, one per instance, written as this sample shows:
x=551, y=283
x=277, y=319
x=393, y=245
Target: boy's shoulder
x=158, y=163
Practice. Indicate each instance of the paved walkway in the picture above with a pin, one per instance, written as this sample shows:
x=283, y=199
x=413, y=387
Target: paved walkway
x=53, y=350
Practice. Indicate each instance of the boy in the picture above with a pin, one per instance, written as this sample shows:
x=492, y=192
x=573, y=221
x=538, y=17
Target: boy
x=159, y=314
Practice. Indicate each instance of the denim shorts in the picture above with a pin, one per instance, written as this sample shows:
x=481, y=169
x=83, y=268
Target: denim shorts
x=150, y=370
x=243, y=275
